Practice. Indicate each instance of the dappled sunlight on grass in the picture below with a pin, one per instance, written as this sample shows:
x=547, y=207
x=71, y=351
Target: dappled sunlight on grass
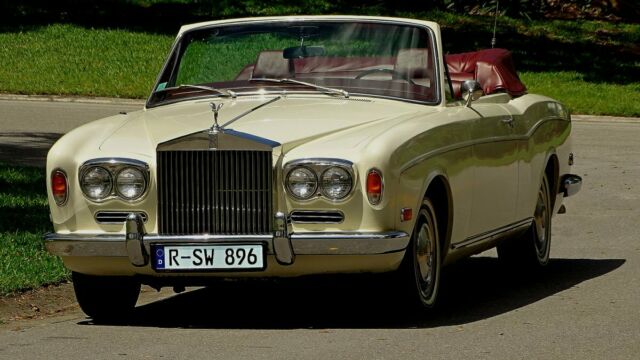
x=24, y=262
x=592, y=66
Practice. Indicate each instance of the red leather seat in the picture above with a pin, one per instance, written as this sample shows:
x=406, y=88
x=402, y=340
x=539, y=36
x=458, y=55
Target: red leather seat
x=492, y=68
x=272, y=64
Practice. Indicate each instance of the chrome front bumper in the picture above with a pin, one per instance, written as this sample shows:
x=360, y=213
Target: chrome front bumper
x=135, y=244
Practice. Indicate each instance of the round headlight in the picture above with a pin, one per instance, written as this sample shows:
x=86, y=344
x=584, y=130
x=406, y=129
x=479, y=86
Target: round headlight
x=130, y=183
x=302, y=183
x=96, y=183
x=336, y=183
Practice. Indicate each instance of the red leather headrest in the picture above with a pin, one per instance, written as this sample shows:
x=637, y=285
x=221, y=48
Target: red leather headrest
x=492, y=68
x=271, y=64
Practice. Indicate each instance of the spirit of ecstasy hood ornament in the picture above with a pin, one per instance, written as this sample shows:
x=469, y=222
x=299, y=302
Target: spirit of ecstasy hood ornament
x=216, y=109
x=215, y=128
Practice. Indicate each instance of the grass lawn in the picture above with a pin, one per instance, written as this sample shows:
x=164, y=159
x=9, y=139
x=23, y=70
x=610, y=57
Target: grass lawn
x=583, y=96
x=71, y=60
x=24, y=218
x=568, y=60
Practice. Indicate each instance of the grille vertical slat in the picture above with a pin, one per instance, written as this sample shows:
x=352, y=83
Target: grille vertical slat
x=267, y=185
x=254, y=193
x=214, y=192
x=216, y=186
x=198, y=192
x=207, y=193
x=234, y=195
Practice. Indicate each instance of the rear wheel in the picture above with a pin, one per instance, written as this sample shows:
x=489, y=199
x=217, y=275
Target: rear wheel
x=534, y=247
x=420, y=270
x=106, y=297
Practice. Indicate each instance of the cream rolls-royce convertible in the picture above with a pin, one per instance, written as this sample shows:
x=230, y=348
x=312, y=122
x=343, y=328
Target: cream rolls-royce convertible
x=290, y=146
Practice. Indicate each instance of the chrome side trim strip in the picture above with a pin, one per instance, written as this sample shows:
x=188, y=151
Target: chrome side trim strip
x=494, y=234
x=468, y=143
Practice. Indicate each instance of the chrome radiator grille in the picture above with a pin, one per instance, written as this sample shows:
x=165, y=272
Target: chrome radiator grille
x=214, y=192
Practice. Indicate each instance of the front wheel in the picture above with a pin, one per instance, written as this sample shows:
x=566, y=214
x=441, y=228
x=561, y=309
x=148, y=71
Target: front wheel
x=420, y=270
x=105, y=297
x=533, y=248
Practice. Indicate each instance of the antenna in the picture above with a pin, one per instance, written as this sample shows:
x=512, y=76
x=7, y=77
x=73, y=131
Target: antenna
x=495, y=24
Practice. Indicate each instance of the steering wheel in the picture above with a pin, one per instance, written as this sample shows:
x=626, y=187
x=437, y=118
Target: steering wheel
x=386, y=71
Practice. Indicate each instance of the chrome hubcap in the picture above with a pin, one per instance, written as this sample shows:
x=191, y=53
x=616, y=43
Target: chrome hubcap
x=425, y=257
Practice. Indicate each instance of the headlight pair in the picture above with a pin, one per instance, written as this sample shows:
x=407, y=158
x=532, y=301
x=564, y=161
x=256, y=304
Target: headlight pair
x=123, y=178
x=330, y=178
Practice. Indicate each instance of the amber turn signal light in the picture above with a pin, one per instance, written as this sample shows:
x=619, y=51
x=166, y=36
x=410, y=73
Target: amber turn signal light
x=374, y=186
x=59, y=187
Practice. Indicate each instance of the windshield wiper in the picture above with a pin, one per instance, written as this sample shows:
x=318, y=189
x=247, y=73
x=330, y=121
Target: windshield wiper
x=223, y=92
x=318, y=87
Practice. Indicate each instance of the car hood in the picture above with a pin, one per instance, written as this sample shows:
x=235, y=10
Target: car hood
x=289, y=121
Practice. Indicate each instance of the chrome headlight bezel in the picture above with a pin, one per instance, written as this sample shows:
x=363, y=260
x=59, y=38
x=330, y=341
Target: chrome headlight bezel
x=325, y=189
x=119, y=183
x=313, y=179
x=114, y=166
x=107, y=182
x=318, y=166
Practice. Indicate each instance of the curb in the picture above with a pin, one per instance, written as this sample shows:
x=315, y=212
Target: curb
x=603, y=118
x=73, y=99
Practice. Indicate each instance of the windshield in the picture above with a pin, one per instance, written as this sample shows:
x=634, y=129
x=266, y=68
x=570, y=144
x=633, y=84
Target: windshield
x=329, y=57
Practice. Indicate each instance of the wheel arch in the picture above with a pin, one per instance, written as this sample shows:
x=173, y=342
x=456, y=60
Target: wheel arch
x=552, y=170
x=438, y=190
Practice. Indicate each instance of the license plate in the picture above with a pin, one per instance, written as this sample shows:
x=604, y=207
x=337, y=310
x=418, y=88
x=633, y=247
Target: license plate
x=208, y=257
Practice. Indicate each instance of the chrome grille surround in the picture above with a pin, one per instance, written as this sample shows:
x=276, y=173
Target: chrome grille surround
x=214, y=192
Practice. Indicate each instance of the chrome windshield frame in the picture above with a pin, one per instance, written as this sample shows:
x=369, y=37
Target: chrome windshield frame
x=435, y=52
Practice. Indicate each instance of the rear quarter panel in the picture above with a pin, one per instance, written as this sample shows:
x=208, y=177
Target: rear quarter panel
x=544, y=127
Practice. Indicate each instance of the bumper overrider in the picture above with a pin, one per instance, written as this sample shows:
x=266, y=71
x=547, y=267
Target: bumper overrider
x=570, y=184
x=283, y=244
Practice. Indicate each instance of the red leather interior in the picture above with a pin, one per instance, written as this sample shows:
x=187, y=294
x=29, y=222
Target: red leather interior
x=335, y=64
x=492, y=68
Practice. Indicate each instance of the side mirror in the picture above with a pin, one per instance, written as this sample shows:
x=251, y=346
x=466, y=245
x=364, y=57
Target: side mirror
x=471, y=90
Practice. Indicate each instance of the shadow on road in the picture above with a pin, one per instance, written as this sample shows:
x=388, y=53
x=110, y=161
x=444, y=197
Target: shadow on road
x=475, y=289
x=26, y=148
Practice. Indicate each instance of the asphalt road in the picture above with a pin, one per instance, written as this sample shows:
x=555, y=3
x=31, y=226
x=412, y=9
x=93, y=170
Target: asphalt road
x=584, y=306
x=29, y=128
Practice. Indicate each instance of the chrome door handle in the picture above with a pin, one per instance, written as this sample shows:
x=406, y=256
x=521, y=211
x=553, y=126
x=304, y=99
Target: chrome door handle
x=508, y=121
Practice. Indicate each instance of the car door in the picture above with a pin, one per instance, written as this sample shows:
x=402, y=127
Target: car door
x=495, y=183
